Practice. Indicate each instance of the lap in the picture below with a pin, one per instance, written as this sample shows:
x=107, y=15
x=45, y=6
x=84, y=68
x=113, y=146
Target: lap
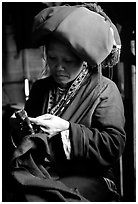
x=95, y=189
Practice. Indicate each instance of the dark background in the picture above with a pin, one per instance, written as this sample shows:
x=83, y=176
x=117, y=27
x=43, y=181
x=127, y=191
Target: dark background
x=20, y=61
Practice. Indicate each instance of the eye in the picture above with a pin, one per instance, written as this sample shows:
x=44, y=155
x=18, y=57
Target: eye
x=52, y=58
x=68, y=61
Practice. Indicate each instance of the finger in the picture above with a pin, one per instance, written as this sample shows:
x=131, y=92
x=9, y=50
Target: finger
x=36, y=121
x=40, y=122
x=45, y=130
x=45, y=117
x=48, y=115
x=33, y=120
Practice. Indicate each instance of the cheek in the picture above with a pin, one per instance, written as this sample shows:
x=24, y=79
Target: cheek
x=75, y=70
x=51, y=65
x=73, y=73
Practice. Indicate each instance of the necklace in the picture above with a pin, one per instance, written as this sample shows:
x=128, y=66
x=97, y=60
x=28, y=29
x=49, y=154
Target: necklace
x=59, y=98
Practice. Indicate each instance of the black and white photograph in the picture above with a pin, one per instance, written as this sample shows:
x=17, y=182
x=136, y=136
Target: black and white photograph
x=68, y=101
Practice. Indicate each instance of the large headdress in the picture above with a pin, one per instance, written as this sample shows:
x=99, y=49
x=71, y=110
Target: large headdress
x=89, y=35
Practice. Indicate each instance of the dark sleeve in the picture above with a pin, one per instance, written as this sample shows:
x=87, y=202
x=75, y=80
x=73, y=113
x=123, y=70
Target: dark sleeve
x=104, y=141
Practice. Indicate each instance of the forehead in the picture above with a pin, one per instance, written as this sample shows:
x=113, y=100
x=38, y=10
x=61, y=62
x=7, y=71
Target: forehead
x=57, y=47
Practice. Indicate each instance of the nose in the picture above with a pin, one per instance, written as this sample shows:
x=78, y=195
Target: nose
x=60, y=67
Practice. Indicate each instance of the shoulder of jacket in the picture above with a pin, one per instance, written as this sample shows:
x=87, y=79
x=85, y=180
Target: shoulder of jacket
x=110, y=86
x=108, y=82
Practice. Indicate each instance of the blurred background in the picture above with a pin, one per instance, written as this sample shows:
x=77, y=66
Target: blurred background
x=22, y=65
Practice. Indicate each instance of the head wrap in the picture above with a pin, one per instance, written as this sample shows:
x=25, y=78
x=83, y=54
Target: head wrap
x=88, y=34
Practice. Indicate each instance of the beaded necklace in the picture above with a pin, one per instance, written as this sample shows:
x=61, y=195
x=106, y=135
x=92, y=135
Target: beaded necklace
x=59, y=97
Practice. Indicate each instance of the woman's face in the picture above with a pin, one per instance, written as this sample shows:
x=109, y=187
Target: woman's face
x=63, y=63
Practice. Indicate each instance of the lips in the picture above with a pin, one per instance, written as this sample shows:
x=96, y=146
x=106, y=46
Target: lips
x=60, y=74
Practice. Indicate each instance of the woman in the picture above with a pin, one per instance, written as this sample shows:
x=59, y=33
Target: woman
x=76, y=113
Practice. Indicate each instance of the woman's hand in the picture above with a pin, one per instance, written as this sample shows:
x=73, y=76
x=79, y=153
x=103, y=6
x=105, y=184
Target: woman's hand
x=50, y=124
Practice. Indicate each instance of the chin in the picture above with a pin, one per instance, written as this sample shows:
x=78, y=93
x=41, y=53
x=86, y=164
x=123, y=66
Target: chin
x=63, y=83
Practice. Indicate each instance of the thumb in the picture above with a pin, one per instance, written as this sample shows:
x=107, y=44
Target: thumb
x=33, y=120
